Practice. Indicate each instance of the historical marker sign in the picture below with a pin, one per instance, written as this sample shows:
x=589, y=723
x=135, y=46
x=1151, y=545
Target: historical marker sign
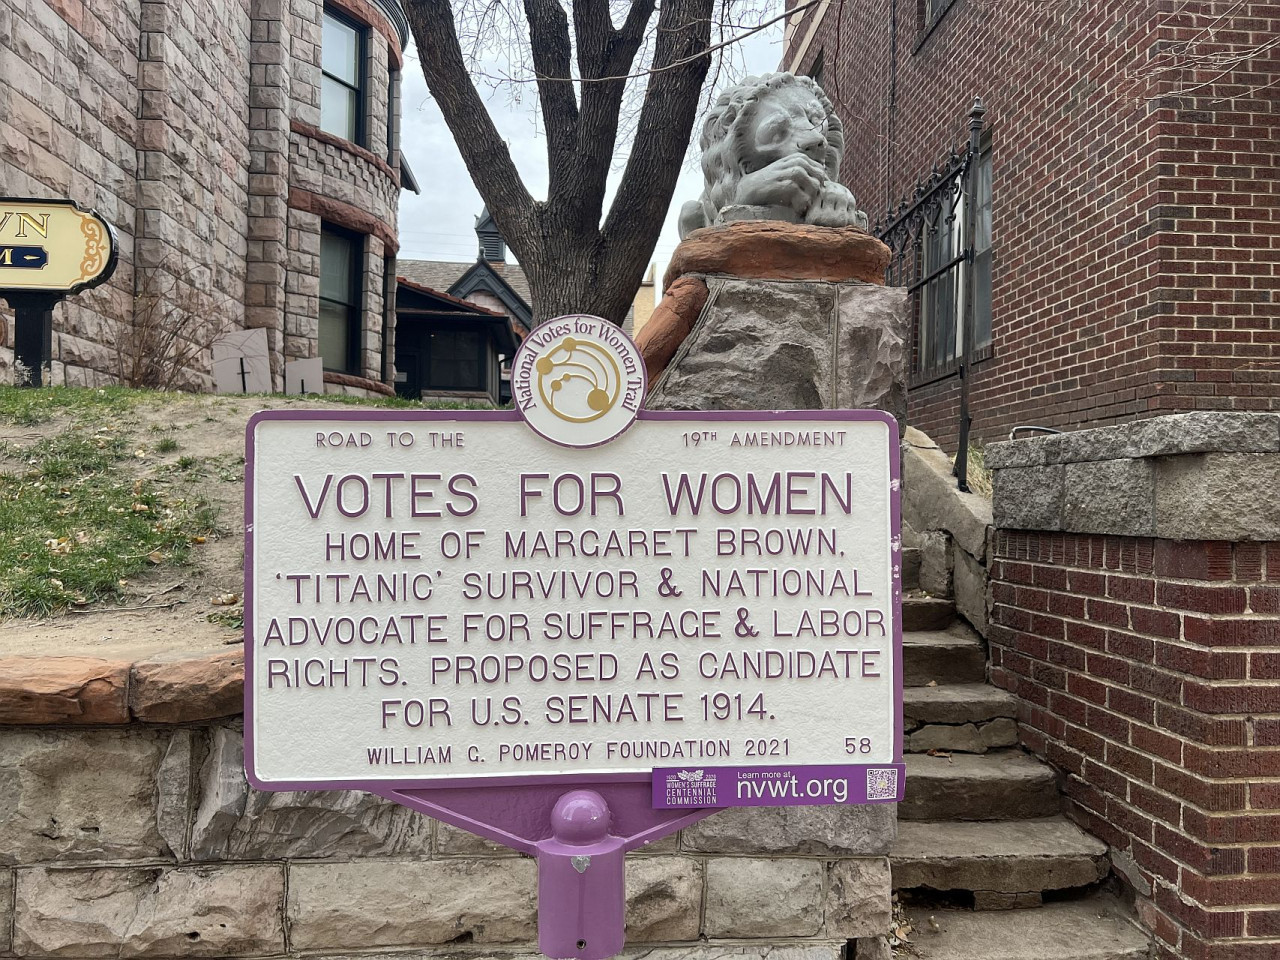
x=575, y=627
x=449, y=598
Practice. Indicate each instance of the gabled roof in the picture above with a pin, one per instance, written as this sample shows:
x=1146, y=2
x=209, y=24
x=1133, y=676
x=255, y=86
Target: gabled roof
x=445, y=301
x=506, y=281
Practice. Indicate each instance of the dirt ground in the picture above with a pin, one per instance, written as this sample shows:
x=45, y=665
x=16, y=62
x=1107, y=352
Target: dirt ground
x=166, y=610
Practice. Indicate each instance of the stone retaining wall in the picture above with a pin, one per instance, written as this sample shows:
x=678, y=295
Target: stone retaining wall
x=127, y=828
x=1136, y=614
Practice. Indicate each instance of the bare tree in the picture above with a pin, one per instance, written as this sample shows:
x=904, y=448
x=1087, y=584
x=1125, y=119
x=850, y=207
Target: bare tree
x=588, y=60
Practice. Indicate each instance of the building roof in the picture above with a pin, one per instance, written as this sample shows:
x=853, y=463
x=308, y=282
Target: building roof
x=414, y=301
x=443, y=274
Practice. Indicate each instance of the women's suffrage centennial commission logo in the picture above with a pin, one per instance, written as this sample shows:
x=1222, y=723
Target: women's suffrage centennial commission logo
x=578, y=381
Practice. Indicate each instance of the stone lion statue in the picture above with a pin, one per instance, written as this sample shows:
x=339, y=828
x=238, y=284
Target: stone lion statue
x=771, y=149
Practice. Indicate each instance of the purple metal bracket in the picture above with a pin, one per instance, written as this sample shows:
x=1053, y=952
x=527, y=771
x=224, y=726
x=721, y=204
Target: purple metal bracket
x=579, y=839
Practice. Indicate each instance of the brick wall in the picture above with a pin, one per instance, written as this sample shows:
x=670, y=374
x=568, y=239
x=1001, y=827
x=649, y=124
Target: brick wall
x=1148, y=672
x=1135, y=229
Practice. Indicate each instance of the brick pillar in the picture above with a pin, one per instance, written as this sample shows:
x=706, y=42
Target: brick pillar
x=1136, y=614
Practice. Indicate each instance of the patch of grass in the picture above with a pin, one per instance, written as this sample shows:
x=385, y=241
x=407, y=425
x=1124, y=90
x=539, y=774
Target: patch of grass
x=76, y=526
x=186, y=461
x=24, y=406
x=166, y=445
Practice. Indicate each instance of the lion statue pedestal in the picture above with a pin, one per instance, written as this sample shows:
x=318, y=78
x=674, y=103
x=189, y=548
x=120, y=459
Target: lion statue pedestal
x=766, y=315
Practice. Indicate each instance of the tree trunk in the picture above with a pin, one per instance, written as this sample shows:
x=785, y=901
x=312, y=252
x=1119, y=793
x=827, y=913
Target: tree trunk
x=574, y=263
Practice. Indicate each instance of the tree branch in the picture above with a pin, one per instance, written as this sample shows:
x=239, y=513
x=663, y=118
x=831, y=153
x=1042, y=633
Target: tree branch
x=666, y=120
x=552, y=51
x=483, y=150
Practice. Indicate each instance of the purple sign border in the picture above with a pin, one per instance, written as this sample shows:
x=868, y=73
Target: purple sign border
x=381, y=786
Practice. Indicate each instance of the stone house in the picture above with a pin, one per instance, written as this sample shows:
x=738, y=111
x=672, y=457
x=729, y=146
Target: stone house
x=1127, y=247
x=247, y=153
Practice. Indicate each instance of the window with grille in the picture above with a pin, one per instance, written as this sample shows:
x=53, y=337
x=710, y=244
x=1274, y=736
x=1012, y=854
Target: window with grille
x=940, y=329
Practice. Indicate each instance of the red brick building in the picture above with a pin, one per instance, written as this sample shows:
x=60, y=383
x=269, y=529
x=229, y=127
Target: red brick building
x=1131, y=219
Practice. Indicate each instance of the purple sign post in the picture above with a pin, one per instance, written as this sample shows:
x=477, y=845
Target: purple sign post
x=576, y=627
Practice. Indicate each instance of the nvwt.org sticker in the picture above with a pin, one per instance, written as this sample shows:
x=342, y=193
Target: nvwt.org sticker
x=676, y=787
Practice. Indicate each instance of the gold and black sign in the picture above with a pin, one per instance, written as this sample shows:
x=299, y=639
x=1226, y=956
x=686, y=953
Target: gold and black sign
x=52, y=246
x=49, y=249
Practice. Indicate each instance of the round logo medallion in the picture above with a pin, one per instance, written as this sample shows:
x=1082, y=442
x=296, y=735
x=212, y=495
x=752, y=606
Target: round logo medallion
x=578, y=380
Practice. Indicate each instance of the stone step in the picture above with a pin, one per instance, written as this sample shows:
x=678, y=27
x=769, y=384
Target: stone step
x=910, y=568
x=1006, y=859
x=920, y=612
x=957, y=703
x=1001, y=785
x=1096, y=928
x=954, y=655
x=968, y=717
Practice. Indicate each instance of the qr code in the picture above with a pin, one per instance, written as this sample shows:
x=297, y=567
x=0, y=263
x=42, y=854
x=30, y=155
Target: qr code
x=882, y=784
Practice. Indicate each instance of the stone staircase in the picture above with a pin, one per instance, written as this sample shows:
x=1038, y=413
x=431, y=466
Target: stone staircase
x=980, y=828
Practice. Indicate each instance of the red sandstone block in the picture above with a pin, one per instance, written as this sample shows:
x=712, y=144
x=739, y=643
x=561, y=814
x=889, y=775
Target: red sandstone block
x=1203, y=599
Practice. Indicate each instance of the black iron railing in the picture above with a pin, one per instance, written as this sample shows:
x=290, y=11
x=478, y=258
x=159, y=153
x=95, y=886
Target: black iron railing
x=931, y=238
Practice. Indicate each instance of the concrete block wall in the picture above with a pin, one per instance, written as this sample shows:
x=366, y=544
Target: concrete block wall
x=1136, y=614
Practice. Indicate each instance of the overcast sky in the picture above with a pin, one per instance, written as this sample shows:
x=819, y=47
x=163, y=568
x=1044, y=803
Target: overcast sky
x=440, y=223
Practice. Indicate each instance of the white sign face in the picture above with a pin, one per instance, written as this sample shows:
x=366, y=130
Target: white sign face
x=442, y=596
